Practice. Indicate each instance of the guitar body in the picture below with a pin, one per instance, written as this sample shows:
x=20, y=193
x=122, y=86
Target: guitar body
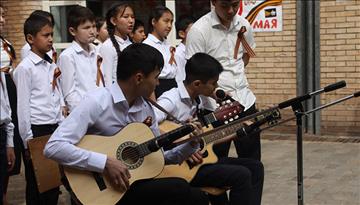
x=82, y=183
x=186, y=170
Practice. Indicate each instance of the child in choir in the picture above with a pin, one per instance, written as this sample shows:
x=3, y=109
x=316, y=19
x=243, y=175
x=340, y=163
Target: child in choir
x=182, y=25
x=26, y=48
x=160, y=25
x=7, y=154
x=120, y=21
x=78, y=63
x=137, y=35
x=101, y=33
x=39, y=99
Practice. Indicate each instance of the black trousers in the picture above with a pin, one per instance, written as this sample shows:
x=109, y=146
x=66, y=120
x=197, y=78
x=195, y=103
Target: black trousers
x=247, y=147
x=245, y=177
x=164, y=191
x=3, y=162
x=33, y=196
x=164, y=85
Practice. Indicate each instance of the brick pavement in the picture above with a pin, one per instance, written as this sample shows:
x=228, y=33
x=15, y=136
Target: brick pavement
x=331, y=174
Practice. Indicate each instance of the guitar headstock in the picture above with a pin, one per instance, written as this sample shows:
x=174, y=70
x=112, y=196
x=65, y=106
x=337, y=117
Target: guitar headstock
x=228, y=112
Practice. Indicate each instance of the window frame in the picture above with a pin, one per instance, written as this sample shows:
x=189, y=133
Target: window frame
x=46, y=4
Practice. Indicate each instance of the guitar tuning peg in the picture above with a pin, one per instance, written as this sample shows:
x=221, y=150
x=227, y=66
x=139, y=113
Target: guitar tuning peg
x=225, y=116
x=236, y=117
x=235, y=111
x=230, y=114
x=231, y=119
x=228, y=101
x=226, y=122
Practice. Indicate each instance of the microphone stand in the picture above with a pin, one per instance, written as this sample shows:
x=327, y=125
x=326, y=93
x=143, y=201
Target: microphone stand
x=299, y=113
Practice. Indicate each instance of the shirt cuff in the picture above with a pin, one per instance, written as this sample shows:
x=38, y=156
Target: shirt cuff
x=97, y=162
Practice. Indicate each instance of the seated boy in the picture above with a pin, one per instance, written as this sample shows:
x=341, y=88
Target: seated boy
x=243, y=176
x=106, y=111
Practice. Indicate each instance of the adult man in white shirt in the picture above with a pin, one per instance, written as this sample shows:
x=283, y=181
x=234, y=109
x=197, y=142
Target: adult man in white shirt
x=106, y=111
x=216, y=34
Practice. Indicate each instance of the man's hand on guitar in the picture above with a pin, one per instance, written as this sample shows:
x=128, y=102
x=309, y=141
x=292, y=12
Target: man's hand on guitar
x=118, y=173
x=198, y=130
x=196, y=158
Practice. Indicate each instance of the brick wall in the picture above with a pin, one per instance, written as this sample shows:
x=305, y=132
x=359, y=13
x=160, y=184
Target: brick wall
x=16, y=14
x=272, y=74
x=340, y=60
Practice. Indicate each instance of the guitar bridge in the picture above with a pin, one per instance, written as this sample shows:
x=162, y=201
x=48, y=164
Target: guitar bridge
x=99, y=181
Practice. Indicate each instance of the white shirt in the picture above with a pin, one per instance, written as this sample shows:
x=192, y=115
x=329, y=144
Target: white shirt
x=209, y=36
x=104, y=111
x=78, y=73
x=25, y=50
x=177, y=102
x=168, y=71
x=181, y=62
x=5, y=110
x=110, y=58
x=37, y=102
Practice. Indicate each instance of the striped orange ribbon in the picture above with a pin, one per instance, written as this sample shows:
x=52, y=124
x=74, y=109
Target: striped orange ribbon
x=245, y=44
x=172, y=57
x=99, y=75
x=8, y=51
x=256, y=10
x=54, y=55
x=57, y=73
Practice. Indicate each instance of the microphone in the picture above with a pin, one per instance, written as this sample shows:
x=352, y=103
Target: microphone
x=299, y=99
x=223, y=96
x=168, y=138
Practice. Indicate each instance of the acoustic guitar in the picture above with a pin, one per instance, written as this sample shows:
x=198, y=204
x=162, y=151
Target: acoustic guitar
x=226, y=132
x=133, y=146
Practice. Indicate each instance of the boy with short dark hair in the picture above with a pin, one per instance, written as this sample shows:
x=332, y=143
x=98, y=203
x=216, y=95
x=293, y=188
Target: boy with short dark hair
x=106, y=111
x=245, y=177
x=78, y=63
x=39, y=99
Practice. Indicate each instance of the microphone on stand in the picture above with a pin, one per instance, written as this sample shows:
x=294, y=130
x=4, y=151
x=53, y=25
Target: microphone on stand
x=223, y=96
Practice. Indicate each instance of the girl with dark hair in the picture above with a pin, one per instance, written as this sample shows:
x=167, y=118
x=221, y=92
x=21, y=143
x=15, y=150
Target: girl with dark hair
x=160, y=24
x=120, y=21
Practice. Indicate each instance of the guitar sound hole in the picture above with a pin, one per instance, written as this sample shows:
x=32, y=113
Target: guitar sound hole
x=130, y=155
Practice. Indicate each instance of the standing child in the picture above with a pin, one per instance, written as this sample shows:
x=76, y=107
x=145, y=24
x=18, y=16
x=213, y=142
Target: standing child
x=137, y=35
x=182, y=25
x=101, y=33
x=120, y=22
x=7, y=155
x=78, y=63
x=25, y=50
x=39, y=99
x=160, y=24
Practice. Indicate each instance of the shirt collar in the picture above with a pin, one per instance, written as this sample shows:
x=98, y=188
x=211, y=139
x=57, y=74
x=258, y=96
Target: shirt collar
x=35, y=58
x=121, y=40
x=79, y=49
x=154, y=39
x=215, y=21
x=118, y=97
x=183, y=92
